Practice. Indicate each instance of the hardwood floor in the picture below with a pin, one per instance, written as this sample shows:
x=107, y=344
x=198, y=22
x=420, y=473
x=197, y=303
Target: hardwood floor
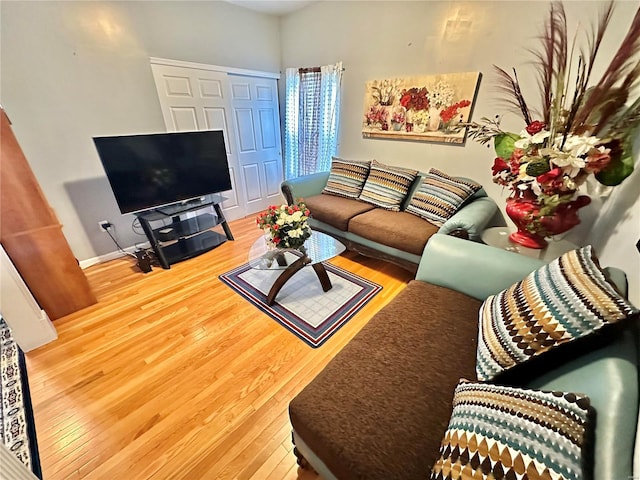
x=172, y=375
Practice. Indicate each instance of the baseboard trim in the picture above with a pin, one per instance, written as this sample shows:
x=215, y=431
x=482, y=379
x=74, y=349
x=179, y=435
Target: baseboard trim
x=105, y=258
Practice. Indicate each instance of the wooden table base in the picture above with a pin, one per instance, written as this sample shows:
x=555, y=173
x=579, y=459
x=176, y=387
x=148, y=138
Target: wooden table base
x=291, y=270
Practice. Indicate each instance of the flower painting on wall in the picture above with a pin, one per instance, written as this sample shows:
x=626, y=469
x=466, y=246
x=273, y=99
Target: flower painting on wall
x=431, y=108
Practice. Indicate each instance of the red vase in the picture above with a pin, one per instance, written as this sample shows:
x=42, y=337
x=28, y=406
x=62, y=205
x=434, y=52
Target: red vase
x=524, y=208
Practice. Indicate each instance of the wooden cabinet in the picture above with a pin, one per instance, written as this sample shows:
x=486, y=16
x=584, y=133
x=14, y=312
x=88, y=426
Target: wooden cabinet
x=32, y=236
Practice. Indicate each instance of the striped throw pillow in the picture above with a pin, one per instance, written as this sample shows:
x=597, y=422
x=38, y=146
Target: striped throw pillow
x=346, y=177
x=439, y=196
x=386, y=186
x=563, y=302
x=500, y=432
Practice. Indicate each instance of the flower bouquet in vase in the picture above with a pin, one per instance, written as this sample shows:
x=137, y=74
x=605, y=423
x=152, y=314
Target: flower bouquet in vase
x=285, y=226
x=580, y=131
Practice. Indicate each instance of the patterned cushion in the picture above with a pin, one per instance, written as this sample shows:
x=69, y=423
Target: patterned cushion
x=440, y=196
x=566, y=300
x=387, y=186
x=346, y=178
x=510, y=433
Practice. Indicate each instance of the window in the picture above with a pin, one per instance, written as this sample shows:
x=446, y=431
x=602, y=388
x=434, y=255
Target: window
x=312, y=106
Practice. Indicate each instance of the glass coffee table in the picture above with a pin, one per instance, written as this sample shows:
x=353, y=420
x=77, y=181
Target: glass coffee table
x=318, y=248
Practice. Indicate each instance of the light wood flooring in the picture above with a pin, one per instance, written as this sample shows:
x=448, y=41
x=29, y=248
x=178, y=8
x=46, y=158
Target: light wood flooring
x=172, y=375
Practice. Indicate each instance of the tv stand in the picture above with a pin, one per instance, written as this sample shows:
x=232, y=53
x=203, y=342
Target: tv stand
x=184, y=238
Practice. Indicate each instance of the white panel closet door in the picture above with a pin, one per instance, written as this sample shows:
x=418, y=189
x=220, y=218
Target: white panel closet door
x=256, y=120
x=245, y=107
x=195, y=99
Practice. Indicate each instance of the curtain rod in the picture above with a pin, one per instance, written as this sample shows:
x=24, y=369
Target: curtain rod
x=312, y=70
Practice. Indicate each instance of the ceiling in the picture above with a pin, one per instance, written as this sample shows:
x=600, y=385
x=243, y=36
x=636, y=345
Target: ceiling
x=273, y=7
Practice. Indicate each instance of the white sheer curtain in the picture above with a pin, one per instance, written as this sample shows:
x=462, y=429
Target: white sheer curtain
x=312, y=106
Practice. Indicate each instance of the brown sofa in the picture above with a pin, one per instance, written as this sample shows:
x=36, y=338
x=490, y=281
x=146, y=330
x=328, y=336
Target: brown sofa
x=398, y=237
x=379, y=409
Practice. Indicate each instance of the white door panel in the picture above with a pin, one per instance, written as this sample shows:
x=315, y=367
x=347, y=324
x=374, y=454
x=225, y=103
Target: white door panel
x=273, y=178
x=252, y=182
x=230, y=195
x=264, y=92
x=210, y=88
x=244, y=126
x=177, y=86
x=184, y=119
x=267, y=128
x=245, y=108
x=240, y=91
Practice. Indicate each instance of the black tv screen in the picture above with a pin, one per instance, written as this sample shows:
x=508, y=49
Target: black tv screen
x=147, y=171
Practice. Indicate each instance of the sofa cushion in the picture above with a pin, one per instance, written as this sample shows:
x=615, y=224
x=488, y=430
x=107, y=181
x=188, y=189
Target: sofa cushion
x=379, y=408
x=505, y=432
x=346, y=177
x=335, y=211
x=400, y=230
x=387, y=186
x=440, y=196
x=553, y=310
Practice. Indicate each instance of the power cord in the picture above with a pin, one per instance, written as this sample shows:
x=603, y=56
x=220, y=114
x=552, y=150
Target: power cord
x=106, y=227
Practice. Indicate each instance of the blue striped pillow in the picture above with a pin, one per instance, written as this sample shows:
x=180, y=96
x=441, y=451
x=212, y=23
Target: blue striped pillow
x=561, y=302
x=439, y=196
x=387, y=186
x=347, y=177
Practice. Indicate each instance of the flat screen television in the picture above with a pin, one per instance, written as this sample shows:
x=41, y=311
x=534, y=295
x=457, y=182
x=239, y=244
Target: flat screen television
x=154, y=170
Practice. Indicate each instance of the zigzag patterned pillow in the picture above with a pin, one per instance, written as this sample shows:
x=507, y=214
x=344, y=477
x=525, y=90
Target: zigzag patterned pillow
x=561, y=302
x=347, y=177
x=440, y=196
x=511, y=433
x=386, y=186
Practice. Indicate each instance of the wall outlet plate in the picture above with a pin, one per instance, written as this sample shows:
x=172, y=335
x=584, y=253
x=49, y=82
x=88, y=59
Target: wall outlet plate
x=104, y=225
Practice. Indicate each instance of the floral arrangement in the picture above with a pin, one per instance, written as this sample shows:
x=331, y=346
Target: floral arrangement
x=449, y=113
x=581, y=130
x=386, y=91
x=285, y=226
x=420, y=117
x=441, y=95
x=398, y=117
x=415, y=98
x=376, y=114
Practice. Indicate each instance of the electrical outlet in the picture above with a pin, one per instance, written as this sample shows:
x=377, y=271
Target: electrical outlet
x=105, y=225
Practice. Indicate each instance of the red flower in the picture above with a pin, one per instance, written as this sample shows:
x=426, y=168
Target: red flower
x=499, y=165
x=276, y=240
x=550, y=176
x=534, y=127
x=448, y=113
x=276, y=226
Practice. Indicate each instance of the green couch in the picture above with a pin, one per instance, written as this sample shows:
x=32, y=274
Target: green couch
x=380, y=407
x=397, y=237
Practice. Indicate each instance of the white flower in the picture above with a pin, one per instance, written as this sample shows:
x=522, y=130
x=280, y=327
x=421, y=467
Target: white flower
x=280, y=221
x=577, y=145
x=297, y=216
x=570, y=164
x=536, y=139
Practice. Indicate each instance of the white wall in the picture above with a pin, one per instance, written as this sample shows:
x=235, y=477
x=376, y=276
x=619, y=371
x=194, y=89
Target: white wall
x=387, y=39
x=74, y=70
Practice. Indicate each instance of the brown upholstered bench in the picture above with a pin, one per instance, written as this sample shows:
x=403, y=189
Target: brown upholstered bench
x=380, y=407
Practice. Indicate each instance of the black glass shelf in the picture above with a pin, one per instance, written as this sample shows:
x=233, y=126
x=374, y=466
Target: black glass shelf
x=193, y=246
x=186, y=227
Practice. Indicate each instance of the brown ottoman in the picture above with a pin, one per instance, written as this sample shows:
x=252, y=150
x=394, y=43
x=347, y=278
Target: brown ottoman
x=379, y=409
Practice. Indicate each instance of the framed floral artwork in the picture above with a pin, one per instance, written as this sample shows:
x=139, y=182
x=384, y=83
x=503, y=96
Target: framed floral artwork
x=428, y=108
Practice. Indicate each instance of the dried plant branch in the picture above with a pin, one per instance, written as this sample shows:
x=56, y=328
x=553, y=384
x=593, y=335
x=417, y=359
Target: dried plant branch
x=513, y=99
x=621, y=76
